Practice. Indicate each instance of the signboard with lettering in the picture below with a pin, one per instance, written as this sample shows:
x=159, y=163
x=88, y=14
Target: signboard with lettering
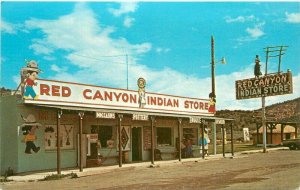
x=220, y=121
x=269, y=85
x=195, y=120
x=141, y=117
x=105, y=115
x=59, y=93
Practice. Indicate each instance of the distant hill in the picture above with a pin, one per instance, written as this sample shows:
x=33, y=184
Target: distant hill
x=288, y=111
x=5, y=92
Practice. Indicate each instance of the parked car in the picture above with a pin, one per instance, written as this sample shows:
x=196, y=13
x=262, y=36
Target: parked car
x=293, y=144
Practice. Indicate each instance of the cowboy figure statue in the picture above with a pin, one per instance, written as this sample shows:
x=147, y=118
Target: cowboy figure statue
x=32, y=71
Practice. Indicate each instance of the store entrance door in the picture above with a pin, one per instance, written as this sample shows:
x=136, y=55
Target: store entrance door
x=136, y=144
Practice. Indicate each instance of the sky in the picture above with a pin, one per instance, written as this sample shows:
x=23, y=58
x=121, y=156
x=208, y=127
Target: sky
x=167, y=43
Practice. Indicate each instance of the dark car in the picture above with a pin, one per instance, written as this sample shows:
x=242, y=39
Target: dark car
x=293, y=144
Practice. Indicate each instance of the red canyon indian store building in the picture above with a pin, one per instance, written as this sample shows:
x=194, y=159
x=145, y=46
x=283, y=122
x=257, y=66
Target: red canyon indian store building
x=76, y=125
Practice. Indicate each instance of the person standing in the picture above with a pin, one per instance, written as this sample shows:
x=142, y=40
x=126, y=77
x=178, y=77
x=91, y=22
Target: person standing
x=206, y=142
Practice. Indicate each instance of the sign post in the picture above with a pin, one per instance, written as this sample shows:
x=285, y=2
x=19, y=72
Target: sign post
x=268, y=85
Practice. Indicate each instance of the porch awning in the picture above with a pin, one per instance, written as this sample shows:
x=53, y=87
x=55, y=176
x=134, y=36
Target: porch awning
x=85, y=109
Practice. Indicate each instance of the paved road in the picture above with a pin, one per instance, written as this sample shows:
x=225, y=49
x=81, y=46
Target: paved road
x=272, y=170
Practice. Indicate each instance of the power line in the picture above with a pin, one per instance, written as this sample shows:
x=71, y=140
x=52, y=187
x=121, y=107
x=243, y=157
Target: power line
x=108, y=61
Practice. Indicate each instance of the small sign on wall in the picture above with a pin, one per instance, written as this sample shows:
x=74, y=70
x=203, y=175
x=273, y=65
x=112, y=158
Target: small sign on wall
x=220, y=121
x=195, y=120
x=105, y=115
x=141, y=117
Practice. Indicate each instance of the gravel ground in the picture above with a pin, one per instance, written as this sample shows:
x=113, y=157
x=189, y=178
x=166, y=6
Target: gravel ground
x=272, y=170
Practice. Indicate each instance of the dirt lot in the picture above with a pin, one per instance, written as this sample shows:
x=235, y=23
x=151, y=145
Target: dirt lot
x=272, y=170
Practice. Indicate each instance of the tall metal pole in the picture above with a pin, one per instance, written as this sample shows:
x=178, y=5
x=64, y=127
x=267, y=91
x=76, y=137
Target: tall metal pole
x=127, y=69
x=263, y=110
x=59, y=113
x=213, y=90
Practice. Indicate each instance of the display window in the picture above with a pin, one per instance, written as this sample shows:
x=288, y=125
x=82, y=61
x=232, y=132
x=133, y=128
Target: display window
x=105, y=135
x=164, y=136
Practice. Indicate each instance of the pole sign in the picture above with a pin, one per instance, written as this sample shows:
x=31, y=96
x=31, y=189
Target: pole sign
x=269, y=85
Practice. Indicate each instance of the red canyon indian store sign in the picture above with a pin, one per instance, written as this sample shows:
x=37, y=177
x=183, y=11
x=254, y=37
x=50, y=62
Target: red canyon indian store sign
x=80, y=95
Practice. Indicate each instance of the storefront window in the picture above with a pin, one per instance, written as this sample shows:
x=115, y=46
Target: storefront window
x=164, y=136
x=190, y=133
x=105, y=134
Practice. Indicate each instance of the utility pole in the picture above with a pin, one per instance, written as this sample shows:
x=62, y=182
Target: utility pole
x=269, y=53
x=213, y=91
x=213, y=66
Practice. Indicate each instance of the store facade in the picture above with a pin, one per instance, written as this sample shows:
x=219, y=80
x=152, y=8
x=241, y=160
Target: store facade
x=44, y=131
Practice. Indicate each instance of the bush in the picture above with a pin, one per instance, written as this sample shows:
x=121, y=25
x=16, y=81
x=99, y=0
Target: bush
x=59, y=176
x=8, y=172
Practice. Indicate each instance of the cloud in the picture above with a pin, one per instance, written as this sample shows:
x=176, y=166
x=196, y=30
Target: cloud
x=254, y=33
x=292, y=17
x=95, y=57
x=16, y=79
x=87, y=46
x=49, y=58
x=7, y=27
x=41, y=47
x=125, y=7
x=162, y=50
x=55, y=68
x=240, y=19
x=128, y=21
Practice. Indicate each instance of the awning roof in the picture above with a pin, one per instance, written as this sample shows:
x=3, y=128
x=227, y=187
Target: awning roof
x=73, y=108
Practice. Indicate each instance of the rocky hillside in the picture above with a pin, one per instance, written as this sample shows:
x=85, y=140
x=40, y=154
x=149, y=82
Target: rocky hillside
x=288, y=111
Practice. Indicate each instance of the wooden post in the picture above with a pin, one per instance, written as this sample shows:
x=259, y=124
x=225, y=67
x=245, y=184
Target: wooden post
x=80, y=114
x=223, y=140
x=257, y=134
x=152, y=138
x=267, y=138
x=213, y=66
x=281, y=132
x=296, y=130
x=202, y=138
x=120, y=116
x=271, y=131
x=59, y=113
x=179, y=138
x=232, y=151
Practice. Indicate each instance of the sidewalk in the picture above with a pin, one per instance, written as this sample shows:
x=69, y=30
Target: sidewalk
x=104, y=169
